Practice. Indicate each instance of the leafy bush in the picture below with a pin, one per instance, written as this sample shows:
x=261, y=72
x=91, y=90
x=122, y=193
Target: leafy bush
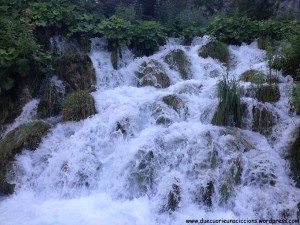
x=147, y=37
x=118, y=31
x=18, y=50
x=233, y=30
x=229, y=108
x=78, y=105
x=216, y=50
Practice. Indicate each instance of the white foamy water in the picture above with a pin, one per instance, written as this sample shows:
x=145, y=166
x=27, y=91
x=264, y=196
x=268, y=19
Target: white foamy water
x=119, y=166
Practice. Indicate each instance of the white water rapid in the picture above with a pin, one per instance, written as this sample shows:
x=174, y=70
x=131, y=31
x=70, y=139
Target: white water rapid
x=119, y=167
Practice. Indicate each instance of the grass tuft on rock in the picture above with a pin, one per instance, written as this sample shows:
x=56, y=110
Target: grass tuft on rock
x=229, y=108
x=78, y=105
x=215, y=50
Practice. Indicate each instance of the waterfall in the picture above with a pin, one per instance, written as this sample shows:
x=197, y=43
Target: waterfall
x=142, y=161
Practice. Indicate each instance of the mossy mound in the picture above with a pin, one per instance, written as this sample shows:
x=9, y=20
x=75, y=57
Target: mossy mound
x=267, y=93
x=263, y=119
x=295, y=160
x=174, y=102
x=25, y=136
x=52, y=100
x=178, y=60
x=151, y=73
x=215, y=50
x=77, y=71
x=77, y=106
x=253, y=76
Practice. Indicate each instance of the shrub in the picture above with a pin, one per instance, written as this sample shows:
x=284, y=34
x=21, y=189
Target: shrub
x=233, y=30
x=118, y=31
x=78, y=105
x=216, y=50
x=147, y=37
x=229, y=108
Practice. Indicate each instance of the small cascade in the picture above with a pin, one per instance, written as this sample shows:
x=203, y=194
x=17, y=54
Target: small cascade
x=151, y=154
x=28, y=114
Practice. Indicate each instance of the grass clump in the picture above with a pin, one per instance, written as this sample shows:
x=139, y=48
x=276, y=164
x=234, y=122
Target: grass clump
x=78, y=105
x=253, y=76
x=28, y=136
x=215, y=50
x=229, y=108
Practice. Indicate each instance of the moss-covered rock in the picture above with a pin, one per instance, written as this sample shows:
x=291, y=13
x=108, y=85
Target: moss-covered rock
x=178, y=60
x=215, y=50
x=114, y=58
x=263, y=119
x=25, y=136
x=52, y=99
x=267, y=93
x=152, y=73
x=174, y=102
x=295, y=160
x=253, y=76
x=78, y=105
x=77, y=71
x=226, y=192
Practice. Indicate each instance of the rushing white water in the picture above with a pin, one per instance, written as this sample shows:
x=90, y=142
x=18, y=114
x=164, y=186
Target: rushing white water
x=119, y=166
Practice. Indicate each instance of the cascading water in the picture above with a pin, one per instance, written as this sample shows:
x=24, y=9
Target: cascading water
x=125, y=165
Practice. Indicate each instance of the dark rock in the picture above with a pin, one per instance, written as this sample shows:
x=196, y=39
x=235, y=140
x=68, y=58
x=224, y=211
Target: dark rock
x=151, y=73
x=143, y=175
x=207, y=194
x=177, y=60
x=77, y=71
x=78, y=105
x=52, y=99
x=174, y=198
x=163, y=120
x=263, y=119
x=25, y=136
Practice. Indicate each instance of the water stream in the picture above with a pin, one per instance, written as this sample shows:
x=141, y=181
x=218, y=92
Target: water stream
x=122, y=167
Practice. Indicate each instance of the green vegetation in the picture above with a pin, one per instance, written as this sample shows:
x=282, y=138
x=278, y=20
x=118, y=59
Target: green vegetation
x=229, y=108
x=295, y=100
x=232, y=29
x=216, y=50
x=253, y=76
x=77, y=106
x=27, y=136
x=267, y=93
